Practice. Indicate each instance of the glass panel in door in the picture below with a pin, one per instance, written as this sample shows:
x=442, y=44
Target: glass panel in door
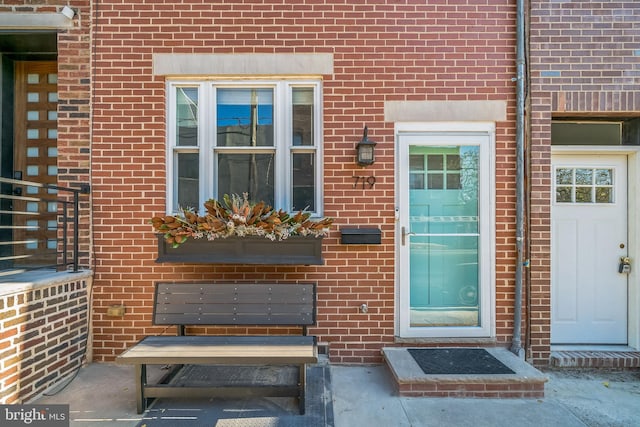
x=444, y=236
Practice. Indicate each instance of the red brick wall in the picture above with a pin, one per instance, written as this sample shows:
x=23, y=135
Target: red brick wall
x=585, y=61
x=383, y=51
x=74, y=109
x=44, y=337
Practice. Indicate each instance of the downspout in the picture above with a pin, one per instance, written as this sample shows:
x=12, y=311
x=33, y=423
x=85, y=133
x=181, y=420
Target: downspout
x=516, y=343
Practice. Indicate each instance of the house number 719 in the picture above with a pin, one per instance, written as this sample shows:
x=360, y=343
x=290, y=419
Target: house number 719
x=366, y=182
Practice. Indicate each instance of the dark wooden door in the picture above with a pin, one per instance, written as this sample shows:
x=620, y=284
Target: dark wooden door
x=35, y=159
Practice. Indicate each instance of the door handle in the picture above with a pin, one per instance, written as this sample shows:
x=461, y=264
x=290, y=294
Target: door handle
x=405, y=234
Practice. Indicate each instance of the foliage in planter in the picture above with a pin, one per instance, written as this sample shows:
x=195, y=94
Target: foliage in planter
x=236, y=216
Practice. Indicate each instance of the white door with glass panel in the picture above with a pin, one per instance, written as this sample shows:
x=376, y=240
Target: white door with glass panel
x=445, y=233
x=588, y=238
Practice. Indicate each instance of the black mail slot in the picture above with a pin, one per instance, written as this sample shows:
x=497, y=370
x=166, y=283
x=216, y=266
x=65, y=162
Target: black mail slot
x=360, y=236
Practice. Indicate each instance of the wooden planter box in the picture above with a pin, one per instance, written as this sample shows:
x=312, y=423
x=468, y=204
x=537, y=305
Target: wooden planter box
x=305, y=250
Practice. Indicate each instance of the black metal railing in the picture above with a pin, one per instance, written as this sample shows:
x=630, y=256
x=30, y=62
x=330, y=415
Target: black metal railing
x=38, y=226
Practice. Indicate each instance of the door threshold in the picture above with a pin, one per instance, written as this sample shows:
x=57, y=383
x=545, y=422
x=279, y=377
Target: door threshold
x=592, y=347
x=594, y=357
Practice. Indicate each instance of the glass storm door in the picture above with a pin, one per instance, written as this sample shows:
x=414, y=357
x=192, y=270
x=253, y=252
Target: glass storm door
x=444, y=272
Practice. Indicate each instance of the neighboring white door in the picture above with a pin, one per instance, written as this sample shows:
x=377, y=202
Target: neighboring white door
x=445, y=232
x=588, y=237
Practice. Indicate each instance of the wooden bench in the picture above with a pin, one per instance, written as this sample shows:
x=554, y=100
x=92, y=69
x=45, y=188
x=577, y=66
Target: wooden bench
x=185, y=304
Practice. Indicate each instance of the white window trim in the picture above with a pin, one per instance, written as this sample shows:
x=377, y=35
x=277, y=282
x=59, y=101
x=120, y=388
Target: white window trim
x=486, y=132
x=206, y=148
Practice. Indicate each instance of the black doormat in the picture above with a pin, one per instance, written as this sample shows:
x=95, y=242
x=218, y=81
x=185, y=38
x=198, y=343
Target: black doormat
x=458, y=361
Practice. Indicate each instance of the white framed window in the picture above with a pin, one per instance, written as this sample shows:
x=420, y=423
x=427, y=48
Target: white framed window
x=262, y=137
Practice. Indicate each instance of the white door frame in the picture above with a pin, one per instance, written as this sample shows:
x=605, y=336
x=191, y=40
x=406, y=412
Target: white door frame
x=633, y=218
x=485, y=131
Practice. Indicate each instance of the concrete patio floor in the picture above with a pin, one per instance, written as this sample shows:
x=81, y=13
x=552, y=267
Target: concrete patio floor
x=102, y=395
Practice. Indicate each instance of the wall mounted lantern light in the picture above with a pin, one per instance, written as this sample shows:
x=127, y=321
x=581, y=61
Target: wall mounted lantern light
x=366, y=150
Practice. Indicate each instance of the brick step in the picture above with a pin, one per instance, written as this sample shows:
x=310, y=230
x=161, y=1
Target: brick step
x=411, y=381
x=583, y=359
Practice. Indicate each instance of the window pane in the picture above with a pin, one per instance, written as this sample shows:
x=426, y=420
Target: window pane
x=584, y=176
x=416, y=181
x=187, y=116
x=188, y=190
x=416, y=162
x=444, y=281
x=583, y=195
x=304, y=186
x=437, y=209
x=244, y=117
x=435, y=162
x=563, y=194
x=453, y=181
x=604, y=176
x=435, y=181
x=302, y=130
x=564, y=176
x=52, y=244
x=246, y=173
x=444, y=273
x=604, y=195
x=453, y=162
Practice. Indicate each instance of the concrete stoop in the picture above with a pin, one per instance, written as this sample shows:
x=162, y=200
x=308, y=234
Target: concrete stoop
x=586, y=359
x=410, y=380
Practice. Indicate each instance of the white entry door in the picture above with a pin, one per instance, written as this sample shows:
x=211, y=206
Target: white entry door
x=588, y=237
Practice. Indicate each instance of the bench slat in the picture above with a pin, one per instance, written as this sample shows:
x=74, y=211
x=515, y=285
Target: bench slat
x=292, y=292
x=234, y=304
x=261, y=307
x=234, y=299
x=228, y=319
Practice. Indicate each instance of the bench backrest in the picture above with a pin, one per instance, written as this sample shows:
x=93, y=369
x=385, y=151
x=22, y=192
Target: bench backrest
x=234, y=304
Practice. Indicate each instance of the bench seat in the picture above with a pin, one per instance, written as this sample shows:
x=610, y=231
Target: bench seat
x=213, y=350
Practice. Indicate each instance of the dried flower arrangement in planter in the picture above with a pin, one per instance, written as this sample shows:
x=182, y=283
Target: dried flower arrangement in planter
x=237, y=216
